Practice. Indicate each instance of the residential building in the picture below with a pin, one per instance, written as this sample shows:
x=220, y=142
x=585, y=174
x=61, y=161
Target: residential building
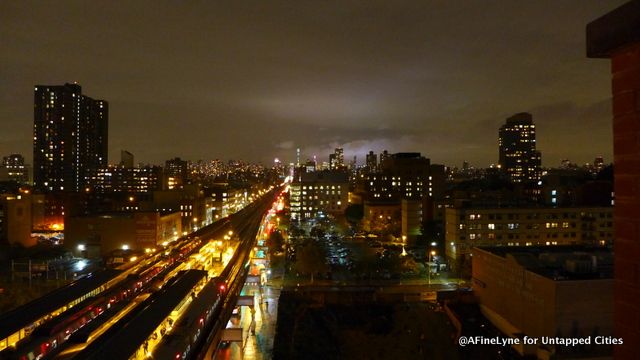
x=225, y=200
x=384, y=156
x=97, y=236
x=412, y=218
x=125, y=179
x=196, y=209
x=517, y=149
x=383, y=218
x=547, y=292
x=310, y=166
x=466, y=227
x=616, y=36
x=16, y=220
x=336, y=160
x=320, y=192
x=14, y=169
x=405, y=176
x=70, y=137
x=175, y=172
x=371, y=162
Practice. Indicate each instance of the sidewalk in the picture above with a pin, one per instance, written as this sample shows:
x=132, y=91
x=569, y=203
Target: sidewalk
x=258, y=345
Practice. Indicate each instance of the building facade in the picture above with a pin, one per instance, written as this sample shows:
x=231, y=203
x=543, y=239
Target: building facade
x=518, y=156
x=371, y=162
x=126, y=158
x=336, y=160
x=405, y=176
x=14, y=169
x=319, y=192
x=175, y=171
x=547, y=292
x=16, y=220
x=123, y=179
x=616, y=36
x=469, y=227
x=70, y=137
x=97, y=236
x=412, y=217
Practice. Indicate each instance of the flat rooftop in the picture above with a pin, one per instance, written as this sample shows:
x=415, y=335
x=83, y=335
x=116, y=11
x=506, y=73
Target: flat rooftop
x=573, y=262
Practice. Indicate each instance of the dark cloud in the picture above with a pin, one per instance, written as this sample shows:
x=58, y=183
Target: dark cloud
x=256, y=79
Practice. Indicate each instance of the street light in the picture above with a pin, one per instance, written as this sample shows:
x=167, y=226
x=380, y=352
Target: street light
x=404, y=241
x=431, y=254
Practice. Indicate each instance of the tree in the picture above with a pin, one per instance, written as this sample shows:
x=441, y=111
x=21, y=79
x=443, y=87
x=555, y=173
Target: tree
x=317, y=232
x=386, y=225
x=276, y=241
x=354, y=213
x=296, y=231
x=310, y=260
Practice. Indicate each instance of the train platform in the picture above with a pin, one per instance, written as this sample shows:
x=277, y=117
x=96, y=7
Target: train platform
x=256, y=345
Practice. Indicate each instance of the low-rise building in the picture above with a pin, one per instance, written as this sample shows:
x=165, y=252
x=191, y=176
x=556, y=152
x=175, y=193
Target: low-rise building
x=14, y=169
x=547, y=292
x=190, y=200
x=466, y=227
x=15, y=219
x=382, y=217
x=97, y=236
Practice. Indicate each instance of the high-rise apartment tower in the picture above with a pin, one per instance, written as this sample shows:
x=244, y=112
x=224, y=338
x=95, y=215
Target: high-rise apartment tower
x=70, y=136
x=519, y=158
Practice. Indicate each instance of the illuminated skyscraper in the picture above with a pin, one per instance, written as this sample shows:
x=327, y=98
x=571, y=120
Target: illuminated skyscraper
x=70, y=137
x=519, y=158
x=336, y=160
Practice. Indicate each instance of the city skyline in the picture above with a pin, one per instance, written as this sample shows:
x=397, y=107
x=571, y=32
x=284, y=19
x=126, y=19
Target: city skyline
x=391, y=77
x=353, y=179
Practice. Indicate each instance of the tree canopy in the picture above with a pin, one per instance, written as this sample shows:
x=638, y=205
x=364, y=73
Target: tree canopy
x=310, y=259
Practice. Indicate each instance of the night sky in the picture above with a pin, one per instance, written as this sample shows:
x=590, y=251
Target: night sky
x=220, y=79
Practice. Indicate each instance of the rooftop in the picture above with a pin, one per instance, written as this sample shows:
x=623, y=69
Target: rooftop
x=574, y=262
